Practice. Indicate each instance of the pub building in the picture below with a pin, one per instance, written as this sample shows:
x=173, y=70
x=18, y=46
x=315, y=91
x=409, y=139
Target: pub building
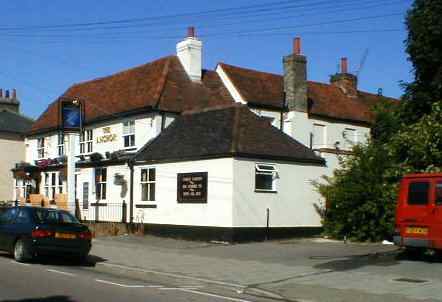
x=184, y=150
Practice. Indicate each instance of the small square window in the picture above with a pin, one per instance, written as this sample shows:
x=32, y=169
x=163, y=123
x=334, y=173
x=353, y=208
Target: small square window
x=265, y=178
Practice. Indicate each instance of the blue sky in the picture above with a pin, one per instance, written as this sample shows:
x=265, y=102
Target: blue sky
x=42, y=62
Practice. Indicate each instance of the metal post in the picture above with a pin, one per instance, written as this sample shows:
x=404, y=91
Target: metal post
x=268, y=224
x=123, y=210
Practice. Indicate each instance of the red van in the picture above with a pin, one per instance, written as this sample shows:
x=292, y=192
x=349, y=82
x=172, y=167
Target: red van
x=419, y=212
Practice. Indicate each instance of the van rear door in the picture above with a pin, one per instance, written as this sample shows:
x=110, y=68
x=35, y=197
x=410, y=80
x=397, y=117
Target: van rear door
x=414, y=211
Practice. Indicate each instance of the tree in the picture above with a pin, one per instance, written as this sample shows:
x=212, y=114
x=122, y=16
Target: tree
x=405, y=138
x=424, y=46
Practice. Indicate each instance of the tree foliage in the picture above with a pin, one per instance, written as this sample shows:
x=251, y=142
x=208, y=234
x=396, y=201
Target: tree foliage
x=405, y=138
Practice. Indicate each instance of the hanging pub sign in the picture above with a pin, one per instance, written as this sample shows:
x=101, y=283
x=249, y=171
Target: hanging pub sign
x=71, y=115
x=192, y=187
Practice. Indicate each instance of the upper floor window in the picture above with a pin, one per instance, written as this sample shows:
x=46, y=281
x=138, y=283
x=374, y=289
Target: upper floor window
x=86, y=141
x=148, y=179
x=50, y=184
x=129, y=134
x=318, y=138
x=350, y=137
x=41, y=147
x=265, y=178
x=60, y=144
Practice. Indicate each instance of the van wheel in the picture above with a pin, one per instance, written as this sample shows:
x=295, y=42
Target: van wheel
x=21, y=251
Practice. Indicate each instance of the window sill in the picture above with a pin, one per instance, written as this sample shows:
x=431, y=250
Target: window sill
x=265, y=191
x=146, y=206
x=132, y=148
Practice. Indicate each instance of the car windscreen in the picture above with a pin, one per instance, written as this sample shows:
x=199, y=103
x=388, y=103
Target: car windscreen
x=54, y=217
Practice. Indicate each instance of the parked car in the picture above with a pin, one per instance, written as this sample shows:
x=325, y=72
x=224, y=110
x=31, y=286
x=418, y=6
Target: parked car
x=419, y=212
x=26, y=232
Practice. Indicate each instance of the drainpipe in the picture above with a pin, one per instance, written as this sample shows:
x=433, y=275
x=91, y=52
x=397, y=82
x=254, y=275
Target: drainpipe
x=131, y=191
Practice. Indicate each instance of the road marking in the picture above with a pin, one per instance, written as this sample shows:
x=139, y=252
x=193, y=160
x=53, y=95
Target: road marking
x=173, y=275
x=19, y=263
x=121, y=285
x=61, y=272
x=197, y=292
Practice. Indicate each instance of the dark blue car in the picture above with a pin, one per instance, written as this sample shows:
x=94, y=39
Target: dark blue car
x=26, y=232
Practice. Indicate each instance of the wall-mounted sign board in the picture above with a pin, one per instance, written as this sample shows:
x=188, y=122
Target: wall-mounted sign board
x=192, y=187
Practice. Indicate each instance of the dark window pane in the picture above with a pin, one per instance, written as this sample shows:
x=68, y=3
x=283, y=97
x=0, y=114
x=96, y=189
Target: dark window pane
x=103, y=191
x=439, y=193
x=418, y=193
x=151, y=174
x=144, y=192
x=152, y=192
x=264, y=182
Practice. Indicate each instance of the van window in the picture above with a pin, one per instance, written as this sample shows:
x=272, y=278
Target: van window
x=439, y=193
x=418, y=193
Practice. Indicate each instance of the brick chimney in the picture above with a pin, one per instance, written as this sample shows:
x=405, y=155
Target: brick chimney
x=9, y=102
x=190, y=53
x=346, y=81
x=295, y=79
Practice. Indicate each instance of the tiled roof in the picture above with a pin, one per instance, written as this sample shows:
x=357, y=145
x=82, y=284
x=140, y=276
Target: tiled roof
x=267, y=89
x=224, y=132
x=11, y=122
x=162, y=84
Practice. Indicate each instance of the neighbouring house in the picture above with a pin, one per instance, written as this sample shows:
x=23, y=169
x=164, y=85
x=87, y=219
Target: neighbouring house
x=127, y=157
x=13, y=127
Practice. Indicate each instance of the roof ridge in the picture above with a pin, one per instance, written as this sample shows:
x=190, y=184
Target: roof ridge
x=163, y=80
x=119, y=72
x=250, y=69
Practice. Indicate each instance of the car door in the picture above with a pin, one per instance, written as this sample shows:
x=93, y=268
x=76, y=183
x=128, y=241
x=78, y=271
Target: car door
x=6, y=228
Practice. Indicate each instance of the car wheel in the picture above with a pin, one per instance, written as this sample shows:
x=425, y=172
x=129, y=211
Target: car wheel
x=21, y=251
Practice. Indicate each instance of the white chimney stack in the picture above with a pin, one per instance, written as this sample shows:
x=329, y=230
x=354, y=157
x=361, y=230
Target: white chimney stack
x=190, y=53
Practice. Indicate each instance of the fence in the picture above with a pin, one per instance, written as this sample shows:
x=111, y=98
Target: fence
x=94, y=212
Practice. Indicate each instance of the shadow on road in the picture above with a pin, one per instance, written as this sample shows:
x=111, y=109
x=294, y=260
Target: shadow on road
x=346, y=263
x=46, y=299
x=91, y=261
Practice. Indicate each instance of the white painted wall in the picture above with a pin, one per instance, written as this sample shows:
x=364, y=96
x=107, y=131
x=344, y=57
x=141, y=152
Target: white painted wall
x=114, y=197
x=147, y=126
x=291, y=206
x=216, y=212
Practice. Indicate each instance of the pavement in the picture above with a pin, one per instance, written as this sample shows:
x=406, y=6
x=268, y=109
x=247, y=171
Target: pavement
x=290, y=270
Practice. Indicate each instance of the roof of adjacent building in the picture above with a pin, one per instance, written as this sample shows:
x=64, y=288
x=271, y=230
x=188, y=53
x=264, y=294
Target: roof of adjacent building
x=325, y=100
x=160, y=85
x=232, y=131
x=14, y=123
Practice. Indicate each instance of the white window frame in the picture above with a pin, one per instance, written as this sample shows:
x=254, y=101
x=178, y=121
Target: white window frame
x=267, y=169
x=323, y=143
x=50, y=184
x=350, y=137
x=60, y=144
x=148, y=183
x=100, y=184
x=41, y=147
x=129, y=133
x=20, y=188
x=86, y=139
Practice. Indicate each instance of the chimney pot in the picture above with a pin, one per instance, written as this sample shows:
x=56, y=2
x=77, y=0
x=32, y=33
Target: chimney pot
x=344, y=65
x=191, y=32
x=7, y=94
x=14, y=93
x=297, y=46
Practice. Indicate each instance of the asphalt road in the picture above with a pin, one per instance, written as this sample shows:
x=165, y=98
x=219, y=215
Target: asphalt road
x=60, y=280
